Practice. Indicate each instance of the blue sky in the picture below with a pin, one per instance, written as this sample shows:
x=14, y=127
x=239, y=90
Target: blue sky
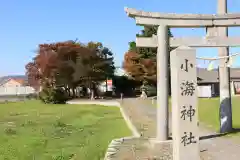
x=25, y=24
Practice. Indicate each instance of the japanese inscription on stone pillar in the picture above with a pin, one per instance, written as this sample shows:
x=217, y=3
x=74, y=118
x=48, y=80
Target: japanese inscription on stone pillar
x=184, y=104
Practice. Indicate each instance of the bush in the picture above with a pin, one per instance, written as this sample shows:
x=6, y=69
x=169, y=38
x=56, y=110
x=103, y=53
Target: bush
x=108, y=94
x=53, y=96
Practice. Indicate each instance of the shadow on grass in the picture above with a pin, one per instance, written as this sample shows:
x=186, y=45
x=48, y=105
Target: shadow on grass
x=234, y=131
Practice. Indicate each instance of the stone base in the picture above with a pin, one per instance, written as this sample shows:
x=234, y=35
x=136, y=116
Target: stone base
x=156, y=143
x=161, y=149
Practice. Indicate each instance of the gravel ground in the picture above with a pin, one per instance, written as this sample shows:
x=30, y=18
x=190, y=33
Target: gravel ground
x=143, y=116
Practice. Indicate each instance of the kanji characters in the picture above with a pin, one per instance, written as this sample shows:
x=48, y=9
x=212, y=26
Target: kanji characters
x=186, y=65
x=187, y=112
x=187, y=88
x=188, y=138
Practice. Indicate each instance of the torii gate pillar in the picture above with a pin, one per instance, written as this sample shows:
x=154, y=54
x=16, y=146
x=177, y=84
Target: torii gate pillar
x=162, y=83
x=224, y=78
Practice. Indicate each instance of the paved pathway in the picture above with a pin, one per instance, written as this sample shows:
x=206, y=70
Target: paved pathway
x=219, y=148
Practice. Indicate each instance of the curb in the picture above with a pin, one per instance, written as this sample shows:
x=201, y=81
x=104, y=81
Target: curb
x=111, y=150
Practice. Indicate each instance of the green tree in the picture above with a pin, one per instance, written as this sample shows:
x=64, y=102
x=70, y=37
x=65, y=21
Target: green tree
x=98, y=65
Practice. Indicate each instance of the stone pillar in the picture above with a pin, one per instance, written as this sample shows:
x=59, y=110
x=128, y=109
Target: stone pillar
x=184, y=104
x=162, y=83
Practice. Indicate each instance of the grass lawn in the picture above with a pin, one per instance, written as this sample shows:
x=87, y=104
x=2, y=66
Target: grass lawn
x=32, y=130
x=209, y=112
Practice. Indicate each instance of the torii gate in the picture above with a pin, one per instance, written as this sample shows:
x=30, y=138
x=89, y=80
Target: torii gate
x=162, y=42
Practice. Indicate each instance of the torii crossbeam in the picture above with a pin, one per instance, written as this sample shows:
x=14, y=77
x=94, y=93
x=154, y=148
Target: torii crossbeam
x=183, y=20
x=211, y=21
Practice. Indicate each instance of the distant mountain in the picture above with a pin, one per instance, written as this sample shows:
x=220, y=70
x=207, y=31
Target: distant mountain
x=15, y=76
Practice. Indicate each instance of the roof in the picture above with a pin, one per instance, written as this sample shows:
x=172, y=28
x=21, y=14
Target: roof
x=205, y=76
x=19, y=78
x=235, y=73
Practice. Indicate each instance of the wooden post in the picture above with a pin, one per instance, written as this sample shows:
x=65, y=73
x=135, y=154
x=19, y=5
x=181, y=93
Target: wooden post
x=184, y=104
x=224, y=77
x=162, y=83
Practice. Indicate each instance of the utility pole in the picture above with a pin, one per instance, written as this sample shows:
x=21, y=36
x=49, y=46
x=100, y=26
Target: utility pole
x=225, y=111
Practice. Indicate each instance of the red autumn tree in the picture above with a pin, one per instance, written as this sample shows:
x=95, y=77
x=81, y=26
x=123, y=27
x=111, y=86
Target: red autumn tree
x=68, y=64
x=33, y=75
x=142, y=69
x=49, y=62
x=140, y=62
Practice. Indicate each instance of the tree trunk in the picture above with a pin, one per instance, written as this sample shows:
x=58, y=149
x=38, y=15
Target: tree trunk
x=68, y=91
x=92, y=94
x=74, y=92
